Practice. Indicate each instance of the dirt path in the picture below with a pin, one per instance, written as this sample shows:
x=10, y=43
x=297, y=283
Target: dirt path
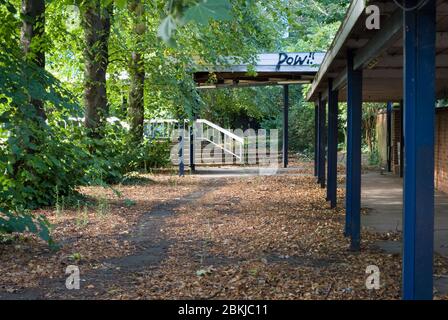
x=120, y=274
x=260, y=237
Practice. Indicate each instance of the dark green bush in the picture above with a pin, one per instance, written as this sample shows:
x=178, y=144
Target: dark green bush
x=36, y=156
x=41, y=160
x=25, y=222
x=37, y=160
x=116, y=154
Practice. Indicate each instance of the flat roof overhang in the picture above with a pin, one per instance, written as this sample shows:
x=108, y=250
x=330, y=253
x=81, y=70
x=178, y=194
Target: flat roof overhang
x=269, y=70
x=379, y=53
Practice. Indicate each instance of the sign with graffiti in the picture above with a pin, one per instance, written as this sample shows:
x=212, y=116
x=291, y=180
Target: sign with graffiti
x=276, y=62
x=297, y=59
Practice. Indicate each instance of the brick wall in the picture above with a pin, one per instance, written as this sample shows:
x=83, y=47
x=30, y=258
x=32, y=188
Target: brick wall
x=441, y=145
x=441, y=152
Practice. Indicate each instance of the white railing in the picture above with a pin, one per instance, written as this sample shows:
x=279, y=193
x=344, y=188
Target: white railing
x=226, y=140
x=222, y=130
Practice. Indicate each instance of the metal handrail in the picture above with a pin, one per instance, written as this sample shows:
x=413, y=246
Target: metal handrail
x=222, y=130
x=228, y=135
x=222, y=148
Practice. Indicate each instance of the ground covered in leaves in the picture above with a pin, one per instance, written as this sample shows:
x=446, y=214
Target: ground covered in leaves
x=164, y=237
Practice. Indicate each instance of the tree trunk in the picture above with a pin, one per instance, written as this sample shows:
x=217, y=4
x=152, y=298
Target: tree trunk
x=32, y=39
x=370, y=133
x=96, y=24
x=136, y=112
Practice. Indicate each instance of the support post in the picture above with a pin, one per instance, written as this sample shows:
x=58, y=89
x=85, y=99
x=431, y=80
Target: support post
x=418, y=196
x=318, y=138
x=354, y=119
x=348, y=173
x=322, y=122
x=285, y=125
x=192, y=150
x=332, y=183
x=316, y=145
x=181, y=149
x=389, y=136
x=401, y=139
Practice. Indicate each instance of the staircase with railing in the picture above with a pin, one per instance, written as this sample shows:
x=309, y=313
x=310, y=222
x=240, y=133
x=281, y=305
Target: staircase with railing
x=224, y=145
x=212, y=144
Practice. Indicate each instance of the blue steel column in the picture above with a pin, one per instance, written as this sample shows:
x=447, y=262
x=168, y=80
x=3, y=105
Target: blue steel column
x=319, y=140
x=316, y=123
x=401, y=139
x=332, y=183
x=285, y=125
x=193, y=130
x=353, y=195
x=181, y=149
x=419, y=98
x=348, y=171
x=192, y=157
x=389, y=136
x=322, y=145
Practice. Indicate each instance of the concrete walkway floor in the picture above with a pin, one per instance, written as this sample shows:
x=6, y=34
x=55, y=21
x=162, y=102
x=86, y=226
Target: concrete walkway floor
x=383, y=195
x=239, y=172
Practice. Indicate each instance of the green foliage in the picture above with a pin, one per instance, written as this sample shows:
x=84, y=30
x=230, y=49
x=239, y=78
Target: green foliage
x=313, y=23
x=116, y=155
x=181, y=12
x=129, y=203
x=35, y=155
x=302, y=127
x=202, y=12
x=25, y=222
x=44, y=161
x=374, y=157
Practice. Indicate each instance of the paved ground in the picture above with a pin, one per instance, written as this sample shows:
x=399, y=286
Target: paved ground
x=383, y=194
x=231, y=172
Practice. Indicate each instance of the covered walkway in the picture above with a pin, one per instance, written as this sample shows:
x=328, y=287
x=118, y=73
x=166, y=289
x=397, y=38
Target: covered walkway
x=382, y=194
x=402, y=59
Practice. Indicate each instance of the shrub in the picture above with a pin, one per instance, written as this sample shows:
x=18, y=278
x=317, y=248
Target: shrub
x=42, y=160
x=25, y=222
x=116, y=155
x=374, y=157
x=36, y=156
